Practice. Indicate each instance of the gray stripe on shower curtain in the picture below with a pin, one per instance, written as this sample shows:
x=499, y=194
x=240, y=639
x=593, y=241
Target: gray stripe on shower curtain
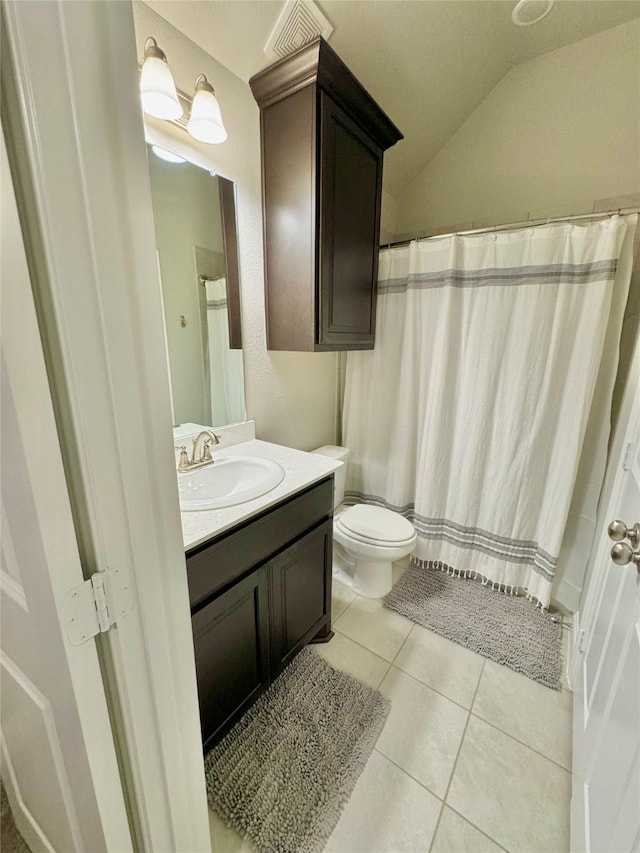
x=520, y=551
x=498, y=276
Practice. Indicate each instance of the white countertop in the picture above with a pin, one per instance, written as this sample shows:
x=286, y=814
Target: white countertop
x=300, y=470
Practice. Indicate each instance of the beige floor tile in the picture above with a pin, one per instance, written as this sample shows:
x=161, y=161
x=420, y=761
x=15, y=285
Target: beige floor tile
x=456, y=835
x=388, y=813
x=423, y=730
x=341, y=598
x=344, y=654
x=224, y=839
x=528, y=711
x=369, y=623
x=510, y=792
x=447, y=667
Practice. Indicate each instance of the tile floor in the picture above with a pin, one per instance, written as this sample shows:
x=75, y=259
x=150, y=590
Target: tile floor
x=473, y=758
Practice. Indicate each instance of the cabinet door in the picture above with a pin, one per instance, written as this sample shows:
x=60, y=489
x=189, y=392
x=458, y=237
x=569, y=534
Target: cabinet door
x=301, y=594
x=231, y=640
x=350, y=192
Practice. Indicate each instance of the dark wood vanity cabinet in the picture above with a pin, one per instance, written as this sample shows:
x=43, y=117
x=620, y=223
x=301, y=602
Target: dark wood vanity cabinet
x=322, y=141
x=259, y=594
x=300, y=594
x=231, y=644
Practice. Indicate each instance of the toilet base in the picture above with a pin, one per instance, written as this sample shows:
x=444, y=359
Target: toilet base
x=342, y=567
x=369, y=578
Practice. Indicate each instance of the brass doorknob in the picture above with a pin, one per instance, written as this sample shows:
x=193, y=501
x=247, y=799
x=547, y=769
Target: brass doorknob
x=618, y=531
x=622, y=554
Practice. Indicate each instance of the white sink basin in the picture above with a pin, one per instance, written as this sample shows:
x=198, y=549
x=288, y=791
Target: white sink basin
x=228, y=481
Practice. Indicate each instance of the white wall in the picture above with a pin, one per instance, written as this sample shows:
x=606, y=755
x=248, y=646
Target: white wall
x=556, y=134
x=291, y=396
x=388, y=217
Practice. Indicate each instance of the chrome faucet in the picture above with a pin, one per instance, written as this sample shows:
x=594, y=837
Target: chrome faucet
x=202, y=446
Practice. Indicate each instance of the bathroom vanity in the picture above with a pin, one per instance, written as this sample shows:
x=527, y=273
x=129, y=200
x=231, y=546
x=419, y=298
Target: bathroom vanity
x=259, y=584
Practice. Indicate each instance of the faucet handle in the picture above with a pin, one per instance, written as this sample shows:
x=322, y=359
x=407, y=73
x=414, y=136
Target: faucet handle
x=211, y=438
x=183, y=464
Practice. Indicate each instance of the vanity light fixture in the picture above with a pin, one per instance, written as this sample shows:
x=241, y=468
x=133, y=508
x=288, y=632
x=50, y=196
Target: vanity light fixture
x=169, y=156
x=157, y=88
x=205, y=122
x=200, y=117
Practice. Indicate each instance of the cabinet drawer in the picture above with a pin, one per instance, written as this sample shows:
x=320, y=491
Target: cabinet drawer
x=217, y=564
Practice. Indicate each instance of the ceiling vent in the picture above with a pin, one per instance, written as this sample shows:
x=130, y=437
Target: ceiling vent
x=300, y=22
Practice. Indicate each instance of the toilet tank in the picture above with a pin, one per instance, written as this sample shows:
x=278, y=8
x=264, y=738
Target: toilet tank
x=342, y=455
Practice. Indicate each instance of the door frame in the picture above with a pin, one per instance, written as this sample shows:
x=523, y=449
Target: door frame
x=598, y=570
x=589, y=727
x=597, y=566
x=77, y=155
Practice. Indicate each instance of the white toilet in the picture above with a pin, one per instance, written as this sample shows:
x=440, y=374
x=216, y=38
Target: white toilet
x=367, y=540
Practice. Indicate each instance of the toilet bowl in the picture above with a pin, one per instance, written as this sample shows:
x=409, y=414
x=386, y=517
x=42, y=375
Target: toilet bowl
x=367, y=539
x=374, y=538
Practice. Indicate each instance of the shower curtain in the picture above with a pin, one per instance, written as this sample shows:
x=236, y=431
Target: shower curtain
x=225, y=365
x=470, y=414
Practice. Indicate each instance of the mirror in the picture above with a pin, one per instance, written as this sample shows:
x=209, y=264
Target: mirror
x=196, y=240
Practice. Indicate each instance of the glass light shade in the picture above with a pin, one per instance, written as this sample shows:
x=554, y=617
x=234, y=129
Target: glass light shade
x=205, y=122
x=158, y=91
x=169, y=156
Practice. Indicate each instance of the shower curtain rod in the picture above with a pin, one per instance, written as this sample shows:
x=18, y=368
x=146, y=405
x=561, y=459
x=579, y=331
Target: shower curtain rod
x=527, y=223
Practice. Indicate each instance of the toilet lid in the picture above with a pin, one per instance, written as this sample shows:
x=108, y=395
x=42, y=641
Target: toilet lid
x=373, y=523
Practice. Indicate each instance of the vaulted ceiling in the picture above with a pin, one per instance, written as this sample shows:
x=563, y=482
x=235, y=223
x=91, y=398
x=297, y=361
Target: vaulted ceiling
x=428, y=63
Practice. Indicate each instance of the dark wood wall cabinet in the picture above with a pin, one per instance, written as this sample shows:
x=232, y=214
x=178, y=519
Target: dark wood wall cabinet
x=323, y=139
x=259, y=594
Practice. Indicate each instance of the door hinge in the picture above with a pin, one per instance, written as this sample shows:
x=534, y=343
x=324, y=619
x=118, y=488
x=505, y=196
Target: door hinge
x=628, y=456
x=583, y=640
x=97, y=604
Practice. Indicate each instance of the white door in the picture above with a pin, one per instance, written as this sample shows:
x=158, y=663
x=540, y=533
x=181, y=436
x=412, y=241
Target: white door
x=605, y=812
x=58, y=757
x=78, y=154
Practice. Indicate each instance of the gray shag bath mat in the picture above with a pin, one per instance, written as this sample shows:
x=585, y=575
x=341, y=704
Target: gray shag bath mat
x=285, y=771
x=508, y=629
